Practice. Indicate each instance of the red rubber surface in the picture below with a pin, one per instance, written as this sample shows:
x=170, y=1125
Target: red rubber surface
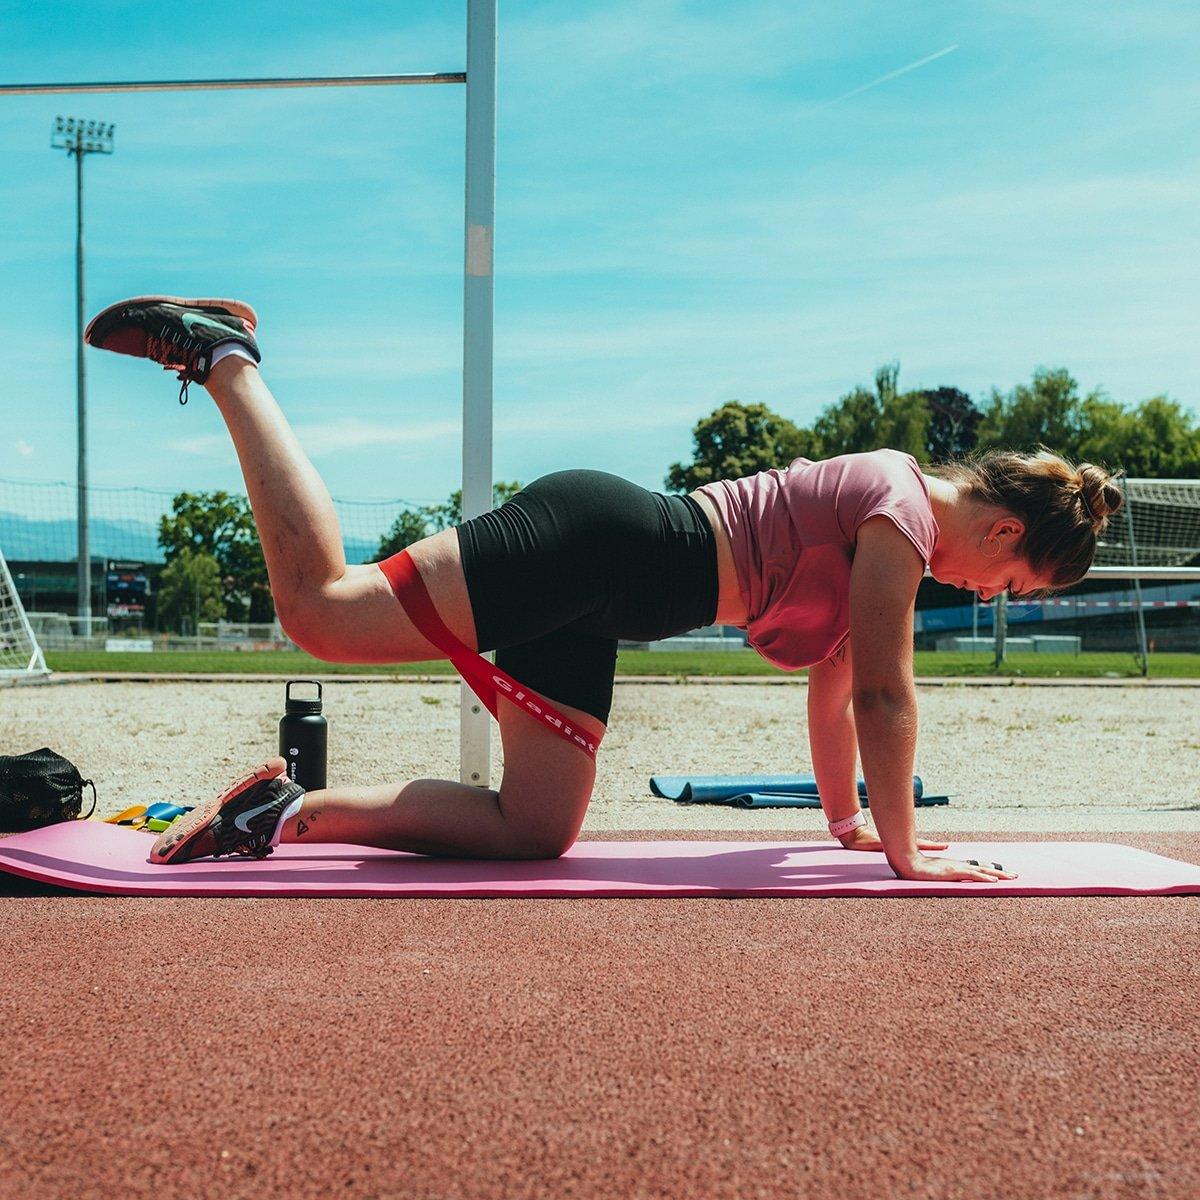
x=1031, y=1047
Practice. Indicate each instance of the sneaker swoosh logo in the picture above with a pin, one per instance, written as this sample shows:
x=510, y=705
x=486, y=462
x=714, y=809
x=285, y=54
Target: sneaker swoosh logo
x=192, y=322
x=242, y=820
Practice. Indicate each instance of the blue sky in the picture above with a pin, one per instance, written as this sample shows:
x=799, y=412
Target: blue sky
x=697, y=202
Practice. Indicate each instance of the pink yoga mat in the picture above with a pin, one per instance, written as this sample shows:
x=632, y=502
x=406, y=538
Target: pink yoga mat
x=94, y=857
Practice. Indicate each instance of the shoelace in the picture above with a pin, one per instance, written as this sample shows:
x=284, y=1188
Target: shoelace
x=166, y=347
x=257, y=846
x=253, y=845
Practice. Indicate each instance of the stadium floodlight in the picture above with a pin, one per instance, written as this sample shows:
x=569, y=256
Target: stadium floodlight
x=80, y=137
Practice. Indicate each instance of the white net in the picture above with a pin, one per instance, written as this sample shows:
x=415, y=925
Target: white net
x=20, y=653
x=1144, y=619
x=1113, y=624
x=38, y=524
x=1160, y=529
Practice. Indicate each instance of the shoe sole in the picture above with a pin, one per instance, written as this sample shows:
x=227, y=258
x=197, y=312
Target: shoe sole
x=236, y=308
x=173, y=841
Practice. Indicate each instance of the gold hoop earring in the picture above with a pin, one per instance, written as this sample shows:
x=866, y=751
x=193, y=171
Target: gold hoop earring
x=998, y=547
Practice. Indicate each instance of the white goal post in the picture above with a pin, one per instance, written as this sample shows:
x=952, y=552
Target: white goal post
x=1153, y=542
x=479, y=213
x=1158, y=527
x=20, y=654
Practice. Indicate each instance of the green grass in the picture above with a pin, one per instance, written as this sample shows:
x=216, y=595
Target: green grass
x=1051, y=666
x=294, y=664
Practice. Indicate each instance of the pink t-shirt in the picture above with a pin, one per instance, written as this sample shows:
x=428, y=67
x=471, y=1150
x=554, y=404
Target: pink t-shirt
x=792, y=534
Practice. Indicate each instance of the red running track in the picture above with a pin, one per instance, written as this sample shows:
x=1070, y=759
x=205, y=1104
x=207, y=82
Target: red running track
x=1030, y=1047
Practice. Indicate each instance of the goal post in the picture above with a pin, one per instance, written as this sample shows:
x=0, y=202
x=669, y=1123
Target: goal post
x=20, y=654
x=1160, y=526
x=1142, y=594
x=479, y=212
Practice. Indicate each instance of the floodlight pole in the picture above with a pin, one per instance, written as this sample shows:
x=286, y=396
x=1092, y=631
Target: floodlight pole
x=80, y=138
x=84, y=545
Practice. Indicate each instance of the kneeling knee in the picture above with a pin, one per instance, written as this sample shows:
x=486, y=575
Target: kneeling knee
x=308, y=625
x=297, y=624
x=542, y=845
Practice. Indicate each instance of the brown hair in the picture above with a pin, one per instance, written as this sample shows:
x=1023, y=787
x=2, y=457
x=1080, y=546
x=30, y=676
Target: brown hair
x=1064, y=507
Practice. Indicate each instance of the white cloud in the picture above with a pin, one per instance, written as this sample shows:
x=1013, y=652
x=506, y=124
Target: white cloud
x=329, y=437
x=344, y=348
x=24, y=449
x=348, y=433
x=652, y=44
x=205, y=445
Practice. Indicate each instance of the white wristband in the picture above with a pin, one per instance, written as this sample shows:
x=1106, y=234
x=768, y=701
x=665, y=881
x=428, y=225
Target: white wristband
x=847, y=824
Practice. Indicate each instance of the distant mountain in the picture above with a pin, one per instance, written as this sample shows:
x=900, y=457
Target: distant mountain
x=54, y=541
x=24, y=540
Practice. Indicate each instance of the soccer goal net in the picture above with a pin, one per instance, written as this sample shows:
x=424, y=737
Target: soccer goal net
x=1137, y=612
x=20, y=653
x=1159, y=526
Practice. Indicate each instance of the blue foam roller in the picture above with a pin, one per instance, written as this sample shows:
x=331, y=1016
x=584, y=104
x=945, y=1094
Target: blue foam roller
x=720, y=789
x=773, y=800
x=782, y=800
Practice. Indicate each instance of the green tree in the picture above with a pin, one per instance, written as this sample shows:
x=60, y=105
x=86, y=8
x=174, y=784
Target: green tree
x=190, y=591
x=740, y=439
x=448, y=514
x=1157, y=438
x=1107, y=433
x=1047, y=411
x=864, y=420
x=222, y=526
x=905, y=425
x=1170, y=437
x=412, y=524
x=851, y=424
x=953, y=423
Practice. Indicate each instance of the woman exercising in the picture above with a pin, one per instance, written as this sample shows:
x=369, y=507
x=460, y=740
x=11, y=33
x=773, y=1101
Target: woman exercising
x=819, y=562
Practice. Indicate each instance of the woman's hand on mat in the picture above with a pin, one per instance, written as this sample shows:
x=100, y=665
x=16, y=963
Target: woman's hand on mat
x=948, y=870
x=864, y=838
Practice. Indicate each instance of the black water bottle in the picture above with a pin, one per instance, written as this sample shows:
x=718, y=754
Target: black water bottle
x=303, y=737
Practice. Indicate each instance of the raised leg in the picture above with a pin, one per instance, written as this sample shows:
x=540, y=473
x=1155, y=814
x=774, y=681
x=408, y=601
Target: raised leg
x=347, y=613
x=335, y=611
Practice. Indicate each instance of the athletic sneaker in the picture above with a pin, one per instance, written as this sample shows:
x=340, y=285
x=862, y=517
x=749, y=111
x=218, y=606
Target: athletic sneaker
x=180, y=334
x=243, y=819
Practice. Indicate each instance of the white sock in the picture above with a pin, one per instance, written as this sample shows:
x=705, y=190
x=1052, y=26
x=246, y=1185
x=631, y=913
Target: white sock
x=230, y=348
x=288, y=813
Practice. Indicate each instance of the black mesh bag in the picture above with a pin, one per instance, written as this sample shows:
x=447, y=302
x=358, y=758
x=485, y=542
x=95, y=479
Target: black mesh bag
x=40, y=788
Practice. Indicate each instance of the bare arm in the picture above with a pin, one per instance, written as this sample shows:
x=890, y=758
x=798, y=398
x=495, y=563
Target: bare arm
x=833, y=742
x=831, y=736
x=883, y=590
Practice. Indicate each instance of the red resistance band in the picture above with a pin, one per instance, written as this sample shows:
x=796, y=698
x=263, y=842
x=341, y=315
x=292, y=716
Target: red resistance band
x=485, y=679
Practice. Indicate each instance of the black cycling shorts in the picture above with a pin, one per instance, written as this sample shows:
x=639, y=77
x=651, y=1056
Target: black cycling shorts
x=575, y=561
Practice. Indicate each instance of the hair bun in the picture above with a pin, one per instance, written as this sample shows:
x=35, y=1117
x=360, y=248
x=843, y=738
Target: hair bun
x=1099, y=492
